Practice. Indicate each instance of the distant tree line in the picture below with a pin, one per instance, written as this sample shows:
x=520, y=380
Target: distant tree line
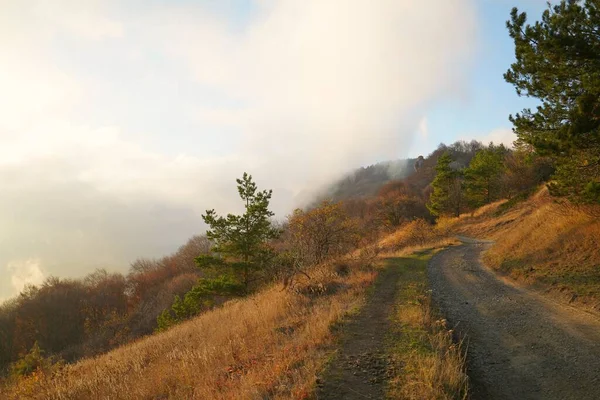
x=73, y=318
x=494, y=173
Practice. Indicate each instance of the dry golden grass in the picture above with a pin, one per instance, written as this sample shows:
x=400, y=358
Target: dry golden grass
x=433, y=366
x=414, y=236
x=270, y=345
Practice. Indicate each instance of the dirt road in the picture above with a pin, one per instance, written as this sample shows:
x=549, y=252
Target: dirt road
x=521, y=345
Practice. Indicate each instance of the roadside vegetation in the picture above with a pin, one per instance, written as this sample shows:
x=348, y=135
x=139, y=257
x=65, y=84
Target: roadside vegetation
x=268, y=332
x=72, y=319
x=432, y=365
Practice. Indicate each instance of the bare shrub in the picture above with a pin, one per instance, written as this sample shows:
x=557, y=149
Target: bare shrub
x=322, y=233
x=417, y=233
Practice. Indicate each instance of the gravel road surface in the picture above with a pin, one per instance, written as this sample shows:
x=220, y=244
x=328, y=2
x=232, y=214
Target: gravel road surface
x=521, y=345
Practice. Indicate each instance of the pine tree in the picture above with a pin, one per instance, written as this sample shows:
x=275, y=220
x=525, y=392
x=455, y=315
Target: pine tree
x=483, y=177
x=447, y=195
x=240, y=254
x=558, y=62
x=240, y=239
x=30, y=362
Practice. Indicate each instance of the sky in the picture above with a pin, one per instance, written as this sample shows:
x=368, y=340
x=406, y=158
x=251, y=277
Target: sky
x=122, y=122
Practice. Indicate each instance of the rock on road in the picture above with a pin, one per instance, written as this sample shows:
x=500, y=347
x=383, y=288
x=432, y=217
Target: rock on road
x=521, y=345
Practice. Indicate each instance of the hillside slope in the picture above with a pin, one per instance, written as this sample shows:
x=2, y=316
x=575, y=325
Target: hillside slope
x=366, y=181
x=540, y=242
x=273, y=344
x=269, y=345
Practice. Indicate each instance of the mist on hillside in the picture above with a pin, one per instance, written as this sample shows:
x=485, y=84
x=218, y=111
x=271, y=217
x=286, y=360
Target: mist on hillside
x=121, y=126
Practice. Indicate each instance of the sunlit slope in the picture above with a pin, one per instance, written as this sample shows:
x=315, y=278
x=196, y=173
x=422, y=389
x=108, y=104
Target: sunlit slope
x=268, y=345
x=541, y=241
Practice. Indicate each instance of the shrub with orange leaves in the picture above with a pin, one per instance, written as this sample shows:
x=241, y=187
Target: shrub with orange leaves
x=322, y=233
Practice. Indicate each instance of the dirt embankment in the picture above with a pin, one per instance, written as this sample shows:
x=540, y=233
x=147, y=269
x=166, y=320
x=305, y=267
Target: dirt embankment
x=521, y=345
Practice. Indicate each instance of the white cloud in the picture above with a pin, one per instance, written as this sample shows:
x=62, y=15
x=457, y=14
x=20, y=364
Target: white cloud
x=423, y=129
x=82, y=19
x=310, y=89
x=338, y=85
x=25, y=272
x=504, y=136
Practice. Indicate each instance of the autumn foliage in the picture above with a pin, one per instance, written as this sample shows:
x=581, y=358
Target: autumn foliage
x=322, y=233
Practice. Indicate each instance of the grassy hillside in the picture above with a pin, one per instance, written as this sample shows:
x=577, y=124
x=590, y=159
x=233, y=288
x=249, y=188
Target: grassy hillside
x=275, y=342
x=270, y=345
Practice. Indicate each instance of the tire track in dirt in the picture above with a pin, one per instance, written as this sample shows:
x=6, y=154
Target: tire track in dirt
x=360, y=368
x=521, y=345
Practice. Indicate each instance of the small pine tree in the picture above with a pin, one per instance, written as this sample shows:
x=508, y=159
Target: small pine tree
x=165, y=320
x=31, y=362
x=240, y=254
x=241, y=240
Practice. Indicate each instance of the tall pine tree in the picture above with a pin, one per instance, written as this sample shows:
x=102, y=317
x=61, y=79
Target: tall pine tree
x=558, y=62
